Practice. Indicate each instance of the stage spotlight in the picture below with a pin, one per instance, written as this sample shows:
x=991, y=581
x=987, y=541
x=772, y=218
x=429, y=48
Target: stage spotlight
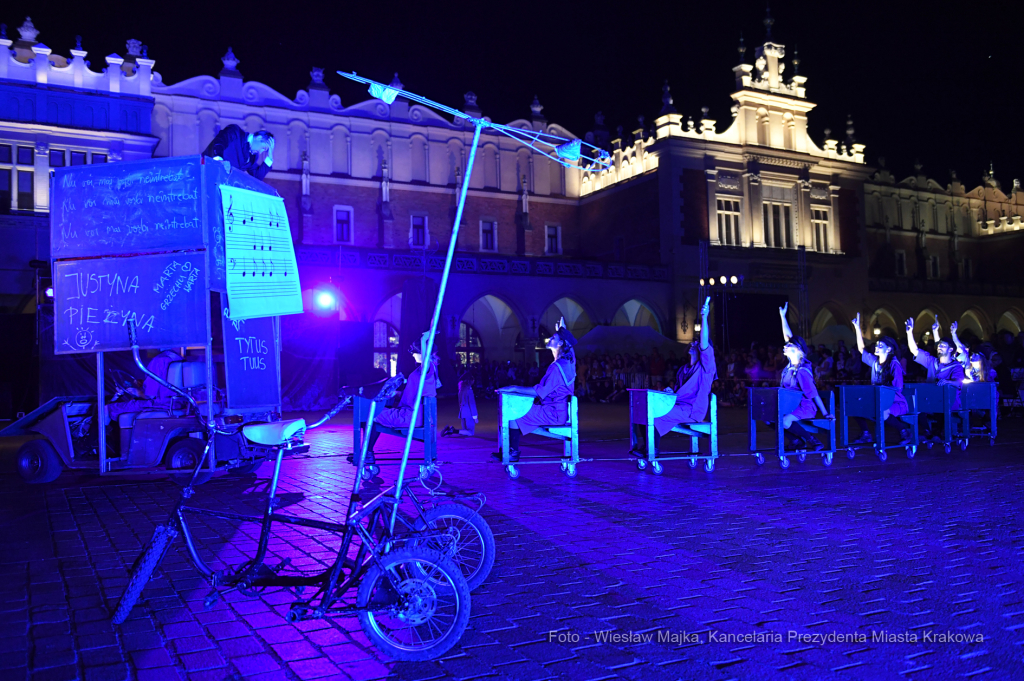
x=711, y=282
x=325, y=300
x=701, y=282
x=721, y=280
x=734, y=279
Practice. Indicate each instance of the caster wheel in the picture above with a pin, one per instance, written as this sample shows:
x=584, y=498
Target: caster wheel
x=656, y=468
x=784, y=462
x=693, y=463
x=911, y=451
x=760, y=459
x=991, y=442
x=963, y=445
x=641, y=464
x=366, y=473
x=947, y=448
x=512, y=471
x=570, y=470
x=930, y=445
x=709, y=465
x=882, y=456
x=850, y=453
x=827, y=459
x=802, y=457
x=375, y=469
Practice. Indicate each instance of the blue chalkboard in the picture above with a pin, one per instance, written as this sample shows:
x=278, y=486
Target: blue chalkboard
x=164, y=294
x=251, y=353
x=127, y=208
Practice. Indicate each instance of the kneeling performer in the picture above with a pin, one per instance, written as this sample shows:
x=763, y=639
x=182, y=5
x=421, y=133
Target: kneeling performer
x=551, y=402
x=693, y=387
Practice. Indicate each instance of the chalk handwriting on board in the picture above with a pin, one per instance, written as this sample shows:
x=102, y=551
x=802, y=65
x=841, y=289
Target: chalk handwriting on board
x=262, y=276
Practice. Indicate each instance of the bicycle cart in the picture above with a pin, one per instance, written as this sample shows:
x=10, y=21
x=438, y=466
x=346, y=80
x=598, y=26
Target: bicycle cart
x=412, y=585
x=770, y=405
x=871, y=402
x=647, y=405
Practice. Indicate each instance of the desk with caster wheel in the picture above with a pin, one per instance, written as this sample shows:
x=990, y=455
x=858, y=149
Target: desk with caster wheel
x=770, y=405
x=425, y=433
x=978, y=397
x=932, y=398
x=511, y=406
x=871, y=402
x=647, y=405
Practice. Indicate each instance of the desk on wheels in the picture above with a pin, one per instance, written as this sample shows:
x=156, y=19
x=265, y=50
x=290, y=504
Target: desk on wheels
x=513, y=405
x=871, y=402
x=647, y=405
x=932, y=398
x=770, y=405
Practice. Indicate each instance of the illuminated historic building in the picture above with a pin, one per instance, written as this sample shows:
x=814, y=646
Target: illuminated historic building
x=754, y=202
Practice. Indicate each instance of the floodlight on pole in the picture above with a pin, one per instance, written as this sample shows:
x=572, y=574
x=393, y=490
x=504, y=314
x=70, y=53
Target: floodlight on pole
x=571, y=153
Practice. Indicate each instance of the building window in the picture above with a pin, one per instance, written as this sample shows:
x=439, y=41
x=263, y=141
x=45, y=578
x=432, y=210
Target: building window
x=901, y=263
x=56, y=158
x=385, y=347
x=968, y=269
x=553, y=240
x=25, y=156
x=343, y=230
x=5, y=153
x=418, y=231
x=819, y=222
x=5, y=190
x=78, y=158
x=26, y=195
x=933, y=267
x=99, y=158
x=469, y=351
x=778, y=225
x=488, y=235
x=729, y=222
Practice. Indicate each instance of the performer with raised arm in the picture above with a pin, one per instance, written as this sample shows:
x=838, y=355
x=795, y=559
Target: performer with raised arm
x=551, y=395
x=944, y=369
x=886, y=370
x=401, y=416
x=798, y=375
x=250, y=152
x=693, y=388
x=977, y=368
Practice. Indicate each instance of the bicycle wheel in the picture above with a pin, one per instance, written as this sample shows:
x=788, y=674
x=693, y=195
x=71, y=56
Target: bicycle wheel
x=143, y=569
x=469, y=541
x=425, y=615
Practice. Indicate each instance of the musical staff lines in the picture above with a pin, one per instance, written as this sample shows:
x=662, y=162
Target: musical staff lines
x=262, y=275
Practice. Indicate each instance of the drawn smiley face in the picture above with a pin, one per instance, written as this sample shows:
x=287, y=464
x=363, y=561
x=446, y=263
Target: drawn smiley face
x=83, y=337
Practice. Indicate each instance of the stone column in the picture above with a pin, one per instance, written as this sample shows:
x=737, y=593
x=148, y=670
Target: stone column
x=41, y=180
x=711, y=175
x=833, y=223
x=804, y=215
x=754, y=210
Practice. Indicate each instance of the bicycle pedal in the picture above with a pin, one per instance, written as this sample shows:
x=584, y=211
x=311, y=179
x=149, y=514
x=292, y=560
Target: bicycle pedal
x=211, y=599
x=282, y=565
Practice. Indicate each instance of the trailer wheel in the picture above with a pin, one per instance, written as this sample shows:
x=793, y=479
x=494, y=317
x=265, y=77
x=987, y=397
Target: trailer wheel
x=184, y=452
x=38, y=462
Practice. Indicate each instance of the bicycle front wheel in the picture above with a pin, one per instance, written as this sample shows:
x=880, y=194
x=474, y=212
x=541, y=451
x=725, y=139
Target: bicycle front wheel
x=417, y=607
x=465, y=537
x=143, y=569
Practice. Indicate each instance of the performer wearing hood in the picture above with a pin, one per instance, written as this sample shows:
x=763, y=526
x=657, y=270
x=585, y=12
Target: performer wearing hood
x=693, y=386
x=401, y=416
x=944, y=370
x=551, y=395
x=886, y=370
x=799, y=376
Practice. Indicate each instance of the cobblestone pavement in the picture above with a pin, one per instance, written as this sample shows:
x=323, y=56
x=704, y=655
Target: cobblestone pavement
x=926, y=548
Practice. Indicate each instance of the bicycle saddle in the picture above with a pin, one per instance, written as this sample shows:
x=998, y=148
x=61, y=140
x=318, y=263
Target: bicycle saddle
x=276, y=433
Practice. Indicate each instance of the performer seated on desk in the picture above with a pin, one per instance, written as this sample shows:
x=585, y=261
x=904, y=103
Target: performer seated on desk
x=153, y=395
x=401, y=416
x=799, y=376
x=252, y=152
x=977, y=368
x=693, y=388
x=886, y=370
x=944, y=370
x=551, y=395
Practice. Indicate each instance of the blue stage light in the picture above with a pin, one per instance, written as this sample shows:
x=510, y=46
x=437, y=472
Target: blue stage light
x=570, y=150
x=325, y=300
x=383, y=93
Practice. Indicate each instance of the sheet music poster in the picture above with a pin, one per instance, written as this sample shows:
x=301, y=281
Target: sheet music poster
x=262, y=275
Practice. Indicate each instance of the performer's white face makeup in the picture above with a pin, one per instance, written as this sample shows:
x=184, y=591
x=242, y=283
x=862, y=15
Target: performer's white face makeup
x=554, y=344
x=418, y=357
x=792, y=353
x=882, y=352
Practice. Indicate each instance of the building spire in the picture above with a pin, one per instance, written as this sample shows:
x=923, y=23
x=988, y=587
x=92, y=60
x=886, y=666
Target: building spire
x=742, y=49
x=796, y=61
x=666, y=100
x=768, y=22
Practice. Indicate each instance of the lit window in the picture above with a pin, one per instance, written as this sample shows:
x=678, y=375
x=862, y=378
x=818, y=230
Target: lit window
x=385, y=347
x=553, y=243
x=488, y=235
x=99, y=158
x=418, y=232
x=25, y=156
x=56, y=158
x=819, y=222
x=343, y=231
x=778, y=225
x=26, y=193
x=728, y=222
x=78, y=158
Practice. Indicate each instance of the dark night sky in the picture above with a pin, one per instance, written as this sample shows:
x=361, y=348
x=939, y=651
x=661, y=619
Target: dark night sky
x=921, y=81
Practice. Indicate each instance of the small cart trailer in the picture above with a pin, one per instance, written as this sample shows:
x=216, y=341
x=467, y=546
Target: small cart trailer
x=197, y=255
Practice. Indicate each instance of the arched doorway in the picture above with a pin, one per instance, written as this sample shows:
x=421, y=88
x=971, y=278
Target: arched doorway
x=883, y=323
x=495, y=325
x=386, y=337
x=636, y=313
x=1009, y=322
x=576, y=318
x=469, y=350
x=969, y=326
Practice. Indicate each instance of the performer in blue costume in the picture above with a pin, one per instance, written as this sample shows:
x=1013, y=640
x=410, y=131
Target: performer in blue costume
x=551, y=402
x=252, y=152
